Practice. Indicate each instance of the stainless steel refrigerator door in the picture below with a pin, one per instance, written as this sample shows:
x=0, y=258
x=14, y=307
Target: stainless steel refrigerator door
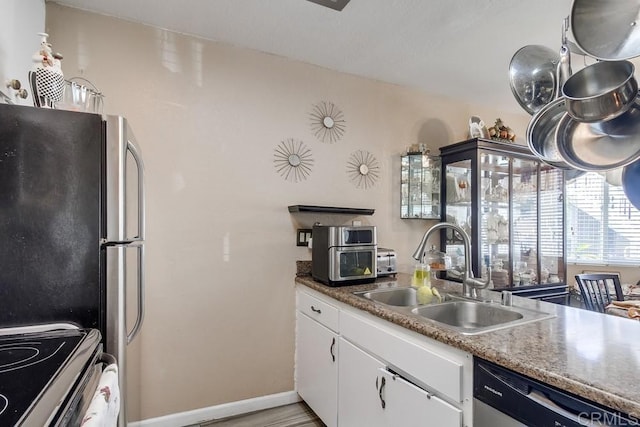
x=124, y=266
x=125, y=256
x=125, y=205
x=122, y=181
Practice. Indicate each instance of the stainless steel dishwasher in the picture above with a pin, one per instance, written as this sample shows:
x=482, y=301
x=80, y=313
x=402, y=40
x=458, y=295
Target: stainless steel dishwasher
x=503, y=398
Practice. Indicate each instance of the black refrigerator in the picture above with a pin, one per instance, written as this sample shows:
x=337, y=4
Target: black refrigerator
x=72, y=223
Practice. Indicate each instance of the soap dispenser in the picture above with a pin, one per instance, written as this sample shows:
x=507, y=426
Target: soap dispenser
x=421, y=275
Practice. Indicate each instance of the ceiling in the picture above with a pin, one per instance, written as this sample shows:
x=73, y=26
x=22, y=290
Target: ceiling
x=457, y=48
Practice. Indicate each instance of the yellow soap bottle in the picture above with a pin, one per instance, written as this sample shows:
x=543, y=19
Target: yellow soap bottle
x=421, y=275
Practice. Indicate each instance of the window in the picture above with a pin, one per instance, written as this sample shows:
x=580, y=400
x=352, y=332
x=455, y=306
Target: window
x=602, y=226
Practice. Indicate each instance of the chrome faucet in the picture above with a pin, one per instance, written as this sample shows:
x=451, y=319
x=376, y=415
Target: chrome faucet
x=469, y=283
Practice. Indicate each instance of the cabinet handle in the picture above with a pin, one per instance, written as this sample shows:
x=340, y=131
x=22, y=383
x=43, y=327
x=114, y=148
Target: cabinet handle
x=316, y=310
x=333, y=344
x=382, y=402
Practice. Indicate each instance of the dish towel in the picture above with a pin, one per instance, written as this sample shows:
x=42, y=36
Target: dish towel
x=632, y=307
x=105, y=405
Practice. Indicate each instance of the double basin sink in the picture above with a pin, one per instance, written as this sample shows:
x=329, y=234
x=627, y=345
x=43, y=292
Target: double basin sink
x=464, y=315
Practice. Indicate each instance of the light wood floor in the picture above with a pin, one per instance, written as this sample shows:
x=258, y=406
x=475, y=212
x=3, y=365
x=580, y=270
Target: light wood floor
x=294, y=415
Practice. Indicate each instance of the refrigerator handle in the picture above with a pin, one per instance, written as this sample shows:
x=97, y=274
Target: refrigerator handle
x=140, y=316
x=135, y=152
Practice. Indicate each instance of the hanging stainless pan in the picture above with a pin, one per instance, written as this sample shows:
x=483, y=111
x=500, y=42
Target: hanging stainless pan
x=541, y=133
x=600, y=146
x=606, y=29
x=541, y=130
x=601, y=91
x=532, y=77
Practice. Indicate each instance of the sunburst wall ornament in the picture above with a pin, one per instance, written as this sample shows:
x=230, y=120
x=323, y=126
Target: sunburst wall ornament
x=327, y=122
x=293, y=160
x=363, y=169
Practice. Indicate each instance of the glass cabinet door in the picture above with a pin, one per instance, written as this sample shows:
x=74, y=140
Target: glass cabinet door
x=495, y=239
x=524, y=209
x=420, y=186
x=458, y=211
x=552, y=260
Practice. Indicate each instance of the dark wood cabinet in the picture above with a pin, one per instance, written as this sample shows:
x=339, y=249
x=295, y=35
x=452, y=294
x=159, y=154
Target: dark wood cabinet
x=512, y=206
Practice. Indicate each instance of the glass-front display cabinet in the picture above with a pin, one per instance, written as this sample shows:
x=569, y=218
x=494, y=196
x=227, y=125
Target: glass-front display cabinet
x=420, y=186
x=512, y=207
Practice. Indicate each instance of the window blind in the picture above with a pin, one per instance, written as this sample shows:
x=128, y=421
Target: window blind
x=602, y=226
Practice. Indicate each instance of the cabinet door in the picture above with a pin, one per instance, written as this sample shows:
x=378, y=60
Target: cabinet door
x=316, y=369
x=420, y=186
x=360, y=401
x=408, y=405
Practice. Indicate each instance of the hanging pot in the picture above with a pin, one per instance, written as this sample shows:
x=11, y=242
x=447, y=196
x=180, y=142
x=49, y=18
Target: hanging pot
x=601, y=146
x=601, y=91
x=541, y=133
x=606, y=29
x=532, y=77
x=541, y=130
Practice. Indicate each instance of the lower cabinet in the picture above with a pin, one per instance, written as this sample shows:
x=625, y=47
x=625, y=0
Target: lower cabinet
x=360, y=390
x=408, y=405
x=317, y=368
x=369, y=394
x=354, y=369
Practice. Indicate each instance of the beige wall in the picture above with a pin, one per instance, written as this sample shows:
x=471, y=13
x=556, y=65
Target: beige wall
x=221, y=252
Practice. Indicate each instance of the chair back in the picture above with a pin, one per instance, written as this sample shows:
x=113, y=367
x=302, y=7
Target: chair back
x=596, y=290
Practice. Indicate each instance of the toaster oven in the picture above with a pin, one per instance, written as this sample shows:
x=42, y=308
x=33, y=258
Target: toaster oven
x=344, y=255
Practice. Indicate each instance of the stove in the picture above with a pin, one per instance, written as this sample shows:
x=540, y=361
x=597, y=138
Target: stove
x=43, y=375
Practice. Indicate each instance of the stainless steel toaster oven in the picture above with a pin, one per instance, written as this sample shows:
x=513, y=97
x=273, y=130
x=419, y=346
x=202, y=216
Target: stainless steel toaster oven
x=343, y=255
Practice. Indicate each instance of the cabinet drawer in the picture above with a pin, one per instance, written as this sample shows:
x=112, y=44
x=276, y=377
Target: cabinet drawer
x=429, y=364
x=319, y=310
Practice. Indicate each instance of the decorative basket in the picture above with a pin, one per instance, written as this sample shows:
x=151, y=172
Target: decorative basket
x=80, y=97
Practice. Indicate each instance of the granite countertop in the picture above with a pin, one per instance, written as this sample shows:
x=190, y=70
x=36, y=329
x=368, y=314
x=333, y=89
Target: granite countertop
x=589, y=354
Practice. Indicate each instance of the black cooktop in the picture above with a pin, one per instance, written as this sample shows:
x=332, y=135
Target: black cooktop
x=31, y=364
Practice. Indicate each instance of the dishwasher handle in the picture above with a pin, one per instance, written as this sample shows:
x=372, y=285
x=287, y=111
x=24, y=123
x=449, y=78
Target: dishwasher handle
x=542, y=399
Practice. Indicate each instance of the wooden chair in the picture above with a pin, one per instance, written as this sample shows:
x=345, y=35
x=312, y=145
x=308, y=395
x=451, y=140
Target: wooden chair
x=596, y=290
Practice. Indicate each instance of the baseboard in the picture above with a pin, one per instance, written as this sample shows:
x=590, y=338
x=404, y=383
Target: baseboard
x=220, y=411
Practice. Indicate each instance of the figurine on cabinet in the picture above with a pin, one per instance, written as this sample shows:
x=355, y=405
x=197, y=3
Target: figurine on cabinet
x=501, y=131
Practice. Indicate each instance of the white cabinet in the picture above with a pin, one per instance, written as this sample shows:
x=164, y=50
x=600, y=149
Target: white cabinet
x=431, y=364
x=408, y=405
x=371, y=395
x=22, y=20
x=359, y=392
x=383, y=374
x=316, y=369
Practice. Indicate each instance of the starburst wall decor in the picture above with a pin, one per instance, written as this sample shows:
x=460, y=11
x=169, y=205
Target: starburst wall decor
x=363, y=169
x=327, y=122
x=293, y=160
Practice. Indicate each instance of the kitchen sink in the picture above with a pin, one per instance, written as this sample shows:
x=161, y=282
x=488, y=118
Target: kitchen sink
x=474, y=317
x=467, y=314
x=402, y=297
x=399, y=297
x=464, y=315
